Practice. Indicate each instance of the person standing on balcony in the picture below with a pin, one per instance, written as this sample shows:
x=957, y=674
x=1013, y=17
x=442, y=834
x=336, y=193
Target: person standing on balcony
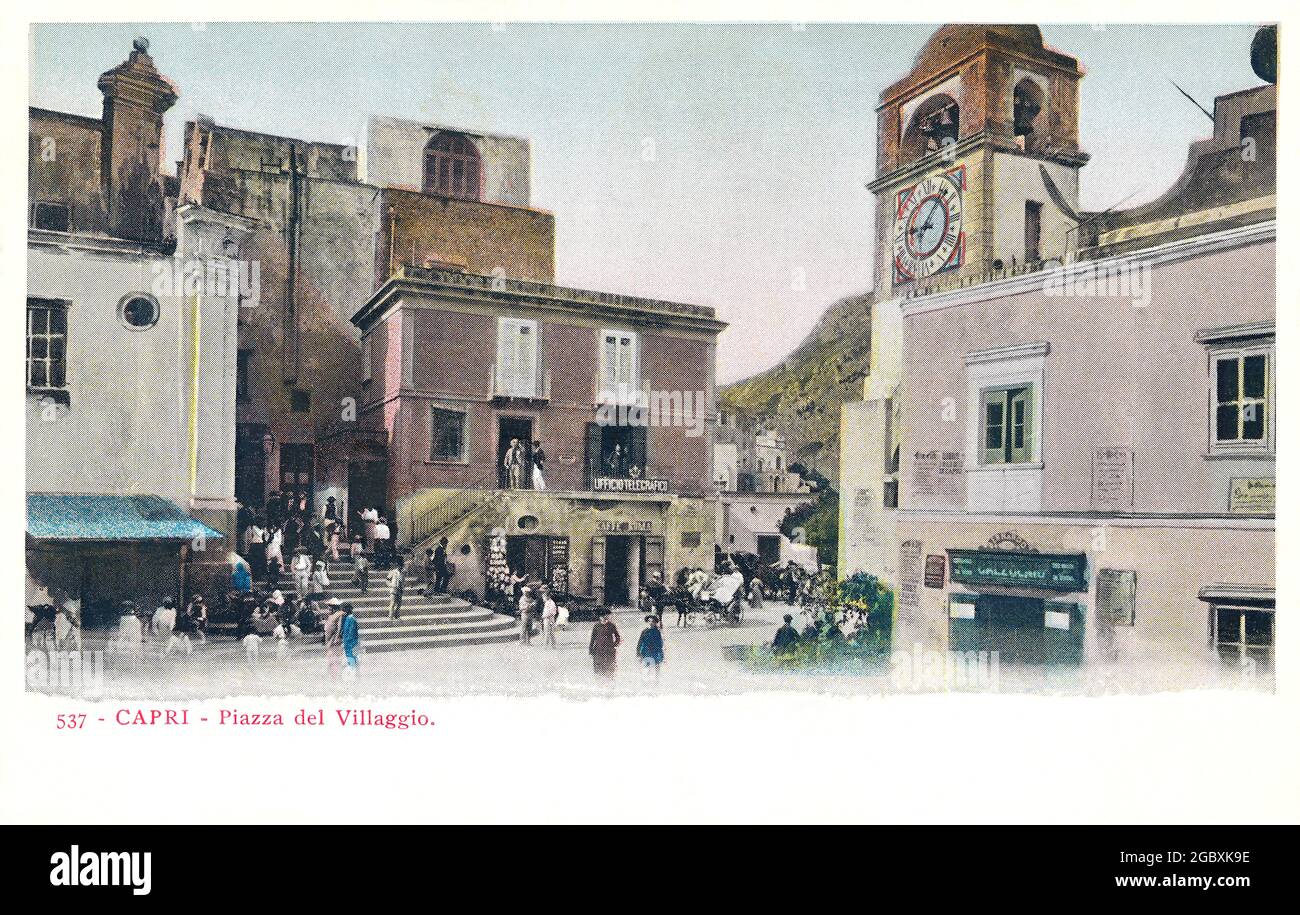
x=539, y=464
x=616, y=462
x=515, y=464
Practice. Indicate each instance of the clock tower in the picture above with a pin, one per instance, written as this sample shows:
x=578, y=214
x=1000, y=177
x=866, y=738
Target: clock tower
x=977, y=176
x=975, y=149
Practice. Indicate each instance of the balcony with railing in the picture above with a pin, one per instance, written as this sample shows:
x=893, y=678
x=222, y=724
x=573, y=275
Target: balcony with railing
x=530, y=390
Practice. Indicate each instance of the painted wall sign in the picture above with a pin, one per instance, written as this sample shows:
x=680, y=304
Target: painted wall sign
x=909, y=580
x=1056, y=571
x=936, y=568
x=938, y=479
x=625, y=527
x=1112, y=479
x=1251, y=495
x=628, y=484
x=1117, y=596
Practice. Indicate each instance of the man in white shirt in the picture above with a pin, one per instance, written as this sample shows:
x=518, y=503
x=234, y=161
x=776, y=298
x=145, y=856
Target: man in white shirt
x=550, y=616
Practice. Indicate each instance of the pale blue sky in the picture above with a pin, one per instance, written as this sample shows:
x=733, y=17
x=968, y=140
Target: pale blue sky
x=763, y=135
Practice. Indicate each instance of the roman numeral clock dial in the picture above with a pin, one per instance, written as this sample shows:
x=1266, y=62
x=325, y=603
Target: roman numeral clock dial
x=928, y=235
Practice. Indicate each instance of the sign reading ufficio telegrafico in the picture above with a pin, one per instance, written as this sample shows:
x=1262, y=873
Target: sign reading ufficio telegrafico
x=629, y=484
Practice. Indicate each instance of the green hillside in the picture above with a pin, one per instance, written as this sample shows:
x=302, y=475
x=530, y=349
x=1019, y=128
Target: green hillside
x=802, y=394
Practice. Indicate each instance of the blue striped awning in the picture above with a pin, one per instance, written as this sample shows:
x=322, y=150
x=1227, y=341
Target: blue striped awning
x=86, y=517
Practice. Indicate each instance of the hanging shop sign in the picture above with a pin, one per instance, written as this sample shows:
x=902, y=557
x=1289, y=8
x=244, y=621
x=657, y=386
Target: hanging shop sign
x=1055, y=571
x=935, y=567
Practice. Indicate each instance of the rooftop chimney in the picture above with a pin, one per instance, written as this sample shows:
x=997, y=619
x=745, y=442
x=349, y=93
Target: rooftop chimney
x=135, y=97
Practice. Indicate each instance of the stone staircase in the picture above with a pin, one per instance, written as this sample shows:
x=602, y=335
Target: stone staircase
x=427, y=621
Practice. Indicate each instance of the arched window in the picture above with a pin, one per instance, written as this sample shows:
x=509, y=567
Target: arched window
x=452, y=167
x=934, y=125
x=1026, y=104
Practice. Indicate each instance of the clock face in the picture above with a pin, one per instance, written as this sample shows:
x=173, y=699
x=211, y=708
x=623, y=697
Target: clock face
x=928, y=234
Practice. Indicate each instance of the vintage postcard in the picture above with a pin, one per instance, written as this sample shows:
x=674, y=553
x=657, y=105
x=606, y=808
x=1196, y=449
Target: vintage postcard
x=311, y=400
x=661, y=360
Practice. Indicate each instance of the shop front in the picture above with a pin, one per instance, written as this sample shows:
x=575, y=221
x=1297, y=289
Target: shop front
x=597, y=546
x=1018, y=604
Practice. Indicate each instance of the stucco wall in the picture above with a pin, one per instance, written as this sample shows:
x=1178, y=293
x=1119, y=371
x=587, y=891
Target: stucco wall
x=1101, y=384
x=393, y=156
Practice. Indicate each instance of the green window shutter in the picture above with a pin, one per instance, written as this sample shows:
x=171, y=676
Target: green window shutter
x=593, y=452
x=1020, y=432
x=638, y=453
x=993, y=419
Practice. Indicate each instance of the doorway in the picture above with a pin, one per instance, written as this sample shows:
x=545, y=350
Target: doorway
x=527, y=554
x=1023, y=630
x=616, y=577
x=298, y=470
x=367, y=488
x=510, y=428
x=769, y=549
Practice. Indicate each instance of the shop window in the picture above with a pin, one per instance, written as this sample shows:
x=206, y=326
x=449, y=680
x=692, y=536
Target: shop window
x=47, y=344
x=452, y=167
x=447, y=434
x=1242, y=383
x=1242, y=633
x=1006, y=430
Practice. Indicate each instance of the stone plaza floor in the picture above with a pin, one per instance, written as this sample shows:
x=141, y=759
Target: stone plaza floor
x=695, y=664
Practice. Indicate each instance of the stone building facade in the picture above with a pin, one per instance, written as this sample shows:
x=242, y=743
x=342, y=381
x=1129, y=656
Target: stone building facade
x=131, y=339
x=1077, y=447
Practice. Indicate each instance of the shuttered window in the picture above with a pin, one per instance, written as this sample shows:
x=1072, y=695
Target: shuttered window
x=620, y=359
x=517, y=362
x=1006, y=425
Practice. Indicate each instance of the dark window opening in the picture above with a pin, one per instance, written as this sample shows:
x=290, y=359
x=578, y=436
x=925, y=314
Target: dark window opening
x=1033, y=230
x=300, y=401
x=447, y=434
x=47, y=344
x=52, y=217
x=140, y=312
x=452, y=167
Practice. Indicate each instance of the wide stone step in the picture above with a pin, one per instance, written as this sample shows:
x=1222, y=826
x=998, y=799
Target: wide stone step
x=455, y=640
x=400, y=631
x=432, y=619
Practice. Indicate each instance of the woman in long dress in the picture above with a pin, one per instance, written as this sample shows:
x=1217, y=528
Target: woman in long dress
x=539, y=464
x=603, y=648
